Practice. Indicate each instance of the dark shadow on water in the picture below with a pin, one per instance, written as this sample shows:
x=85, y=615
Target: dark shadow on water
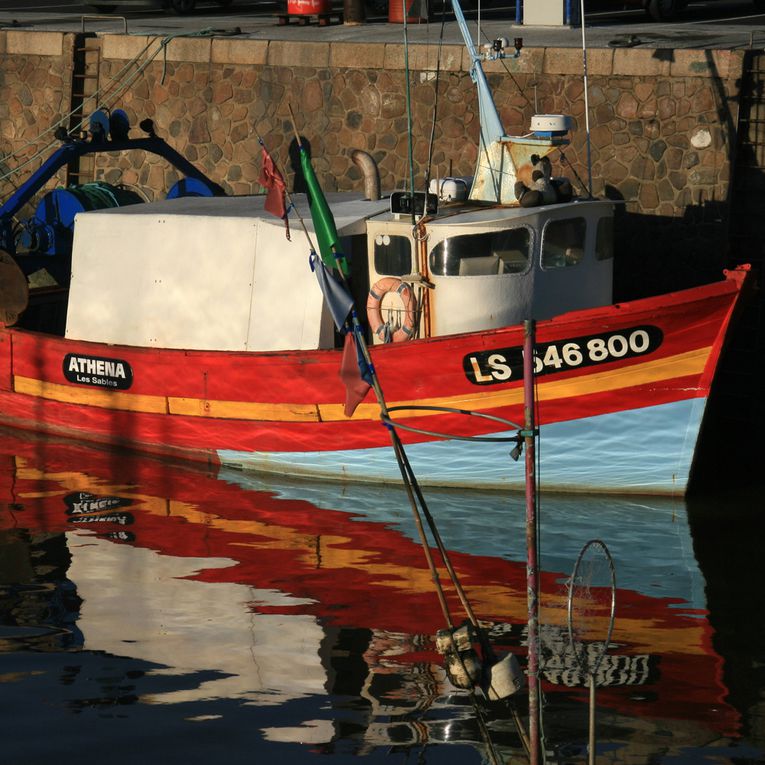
x=656, y=255
x=728, y=531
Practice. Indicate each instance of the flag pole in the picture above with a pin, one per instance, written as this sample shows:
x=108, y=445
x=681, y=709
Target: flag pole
x=357, y=330
x=409, y=479
x=407, y=475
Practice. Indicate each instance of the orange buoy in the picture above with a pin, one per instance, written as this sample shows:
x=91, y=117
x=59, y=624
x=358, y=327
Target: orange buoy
x=374, y=308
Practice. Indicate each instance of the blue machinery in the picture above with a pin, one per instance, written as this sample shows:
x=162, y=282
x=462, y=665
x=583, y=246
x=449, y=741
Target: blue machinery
x=49, y=230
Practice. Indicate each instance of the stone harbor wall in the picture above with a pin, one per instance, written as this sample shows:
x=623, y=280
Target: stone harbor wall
x=662, y=123
x=35, y=91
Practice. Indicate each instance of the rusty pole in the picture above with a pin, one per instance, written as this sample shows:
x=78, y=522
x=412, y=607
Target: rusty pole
x=532, y=571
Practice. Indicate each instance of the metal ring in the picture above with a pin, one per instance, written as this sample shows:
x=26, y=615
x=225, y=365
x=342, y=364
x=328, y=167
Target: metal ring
x=579, y=655
x=417, y=236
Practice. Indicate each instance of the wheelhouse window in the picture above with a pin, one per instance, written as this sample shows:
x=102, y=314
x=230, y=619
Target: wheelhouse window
x=604, y=241
x=563, y=243
x=393, y=255
x=490, y=253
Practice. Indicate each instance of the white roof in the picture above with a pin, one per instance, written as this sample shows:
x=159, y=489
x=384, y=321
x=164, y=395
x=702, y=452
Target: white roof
x=348, y=209
x=202, y=273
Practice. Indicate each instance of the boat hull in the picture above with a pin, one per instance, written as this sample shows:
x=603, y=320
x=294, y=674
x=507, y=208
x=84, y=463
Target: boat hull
x=620, y=392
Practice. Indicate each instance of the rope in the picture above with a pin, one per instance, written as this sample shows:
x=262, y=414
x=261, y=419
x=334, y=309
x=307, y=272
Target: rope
x=565, y=160
x=65, y=118
x=100, y=195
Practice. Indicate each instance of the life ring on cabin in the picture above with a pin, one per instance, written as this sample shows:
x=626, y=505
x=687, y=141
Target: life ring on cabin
x=374, y=308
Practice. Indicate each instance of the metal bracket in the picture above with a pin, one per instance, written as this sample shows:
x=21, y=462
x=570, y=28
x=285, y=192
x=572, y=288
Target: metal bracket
x=123, y=19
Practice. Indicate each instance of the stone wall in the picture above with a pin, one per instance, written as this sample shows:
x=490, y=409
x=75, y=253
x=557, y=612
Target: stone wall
x=662, y=122
x=35, y=82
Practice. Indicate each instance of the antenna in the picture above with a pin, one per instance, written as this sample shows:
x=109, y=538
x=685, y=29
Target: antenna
x=586, y=101
x=478, y=30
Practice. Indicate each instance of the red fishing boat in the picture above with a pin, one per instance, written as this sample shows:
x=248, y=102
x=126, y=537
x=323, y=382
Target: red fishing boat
x=192, y=327
x=622, y=388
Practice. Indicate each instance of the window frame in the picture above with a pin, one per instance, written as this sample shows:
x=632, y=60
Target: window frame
x=488, y=232
x=412, y=254
x=556, y=221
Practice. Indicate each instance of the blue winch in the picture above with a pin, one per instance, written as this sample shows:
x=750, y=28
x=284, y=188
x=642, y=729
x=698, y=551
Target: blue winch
x=50, y=229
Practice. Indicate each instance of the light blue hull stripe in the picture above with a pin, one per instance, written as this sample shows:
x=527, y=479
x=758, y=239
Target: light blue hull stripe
x=640, y=450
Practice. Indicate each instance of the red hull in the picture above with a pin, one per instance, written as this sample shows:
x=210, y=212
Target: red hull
x=630, y=356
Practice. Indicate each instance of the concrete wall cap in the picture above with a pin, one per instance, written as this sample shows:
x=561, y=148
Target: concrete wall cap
x=705, y=63
x=530, y=61
x=304, y=54
x=642, y=62
x=125, y=47
x=226, y=50
x=195, y=50
x=348, y=55
x=34, y=43
x=426, y=58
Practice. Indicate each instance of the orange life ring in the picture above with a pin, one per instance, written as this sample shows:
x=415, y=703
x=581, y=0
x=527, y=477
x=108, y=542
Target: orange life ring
x=374, y=308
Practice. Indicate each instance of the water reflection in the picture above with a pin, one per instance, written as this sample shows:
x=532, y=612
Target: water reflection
x=176, y=608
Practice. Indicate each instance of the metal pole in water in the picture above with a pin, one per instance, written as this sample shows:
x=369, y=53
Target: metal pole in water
x=591, y=743
x=532, y=572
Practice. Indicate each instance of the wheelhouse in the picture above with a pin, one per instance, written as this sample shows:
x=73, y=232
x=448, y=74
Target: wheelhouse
x=489, y=267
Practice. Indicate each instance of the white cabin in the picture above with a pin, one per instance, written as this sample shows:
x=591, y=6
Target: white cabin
x=201, y=273
x=219, y=273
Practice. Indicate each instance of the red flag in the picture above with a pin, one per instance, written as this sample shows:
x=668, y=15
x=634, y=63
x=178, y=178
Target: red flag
x=272, y=180
x=356, y=387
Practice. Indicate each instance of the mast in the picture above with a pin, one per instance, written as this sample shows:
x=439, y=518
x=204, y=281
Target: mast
x=502, y=159
x=491, y=124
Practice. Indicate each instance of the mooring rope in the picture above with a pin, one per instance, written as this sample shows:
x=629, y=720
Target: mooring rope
x=416, y=498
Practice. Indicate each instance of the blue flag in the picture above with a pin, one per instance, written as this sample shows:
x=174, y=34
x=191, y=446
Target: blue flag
x=336, y=296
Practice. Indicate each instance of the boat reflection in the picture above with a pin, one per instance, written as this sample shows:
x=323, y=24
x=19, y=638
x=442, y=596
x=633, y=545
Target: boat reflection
x=266, y=592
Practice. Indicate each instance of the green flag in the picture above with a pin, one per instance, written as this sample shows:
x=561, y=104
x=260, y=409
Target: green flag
x=323, y=222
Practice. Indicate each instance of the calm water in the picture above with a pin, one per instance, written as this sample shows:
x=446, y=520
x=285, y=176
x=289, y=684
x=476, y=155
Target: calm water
x=157, y=613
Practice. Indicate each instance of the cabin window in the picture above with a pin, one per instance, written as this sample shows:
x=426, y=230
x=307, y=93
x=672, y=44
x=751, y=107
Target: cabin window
x=493, y=252
x=563, y=243
x=604, y=242
x=393, y=255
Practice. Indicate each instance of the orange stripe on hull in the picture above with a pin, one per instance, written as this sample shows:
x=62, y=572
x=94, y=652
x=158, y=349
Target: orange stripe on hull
x=105, y=399
x=687, y=364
